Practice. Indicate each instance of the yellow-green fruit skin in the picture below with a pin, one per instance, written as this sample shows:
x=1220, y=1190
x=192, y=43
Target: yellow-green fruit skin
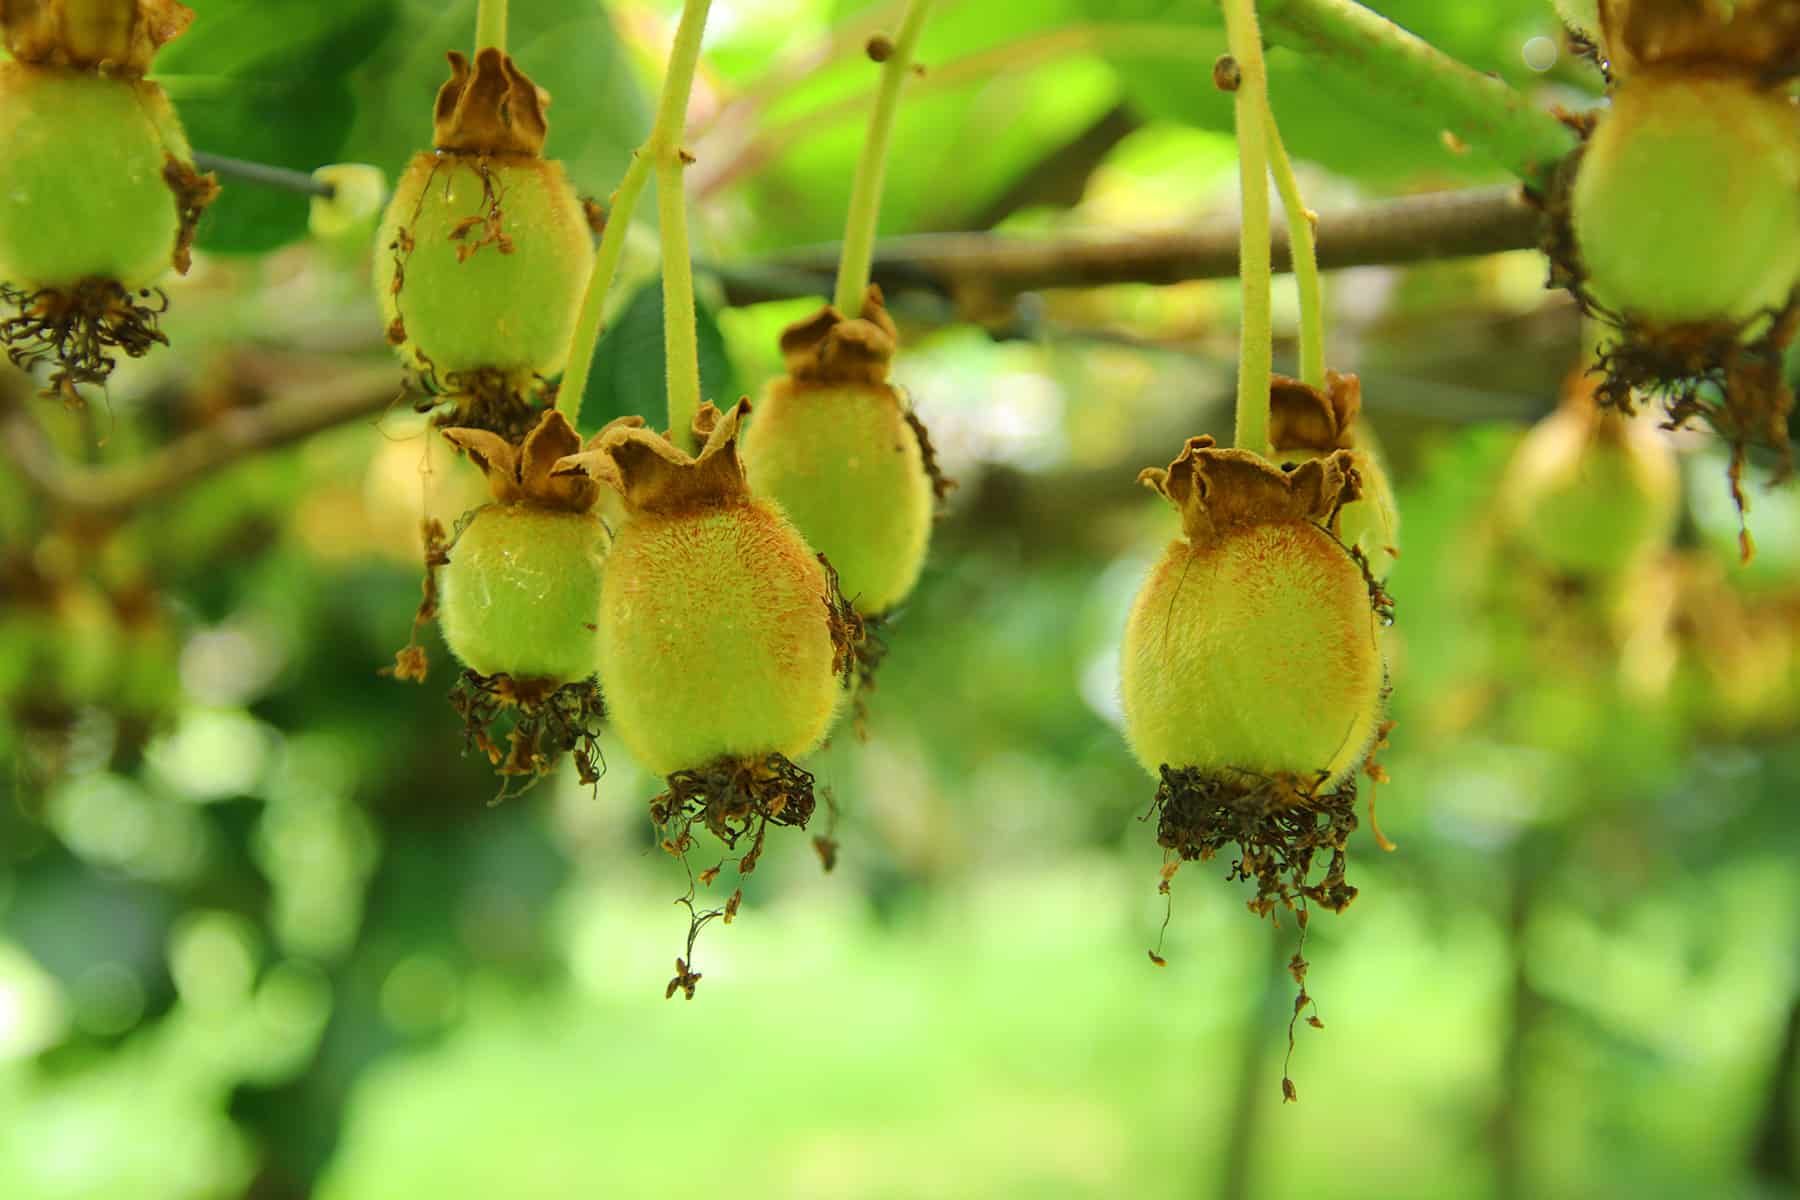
x=501, y=311
x=1686, y=206
x=1258, y=653
x=520, y=593
x=714, y=639
x=846, y=467
x=1590, y=506
x=83, y=194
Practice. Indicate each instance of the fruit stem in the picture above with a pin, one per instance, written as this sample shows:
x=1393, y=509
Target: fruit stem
x=1250, y=105
x=1479, y=109
x=681, y=347
x=1302, y=244
x=865, y=187
x=490, y=25
x=664, y=142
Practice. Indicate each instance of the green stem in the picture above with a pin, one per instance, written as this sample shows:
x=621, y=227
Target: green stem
x=681, y=347
x=1251, y=105
x=490, y=25
x=1477, y=108
x=1302, y=246
x=865, y=188
x=664, y=142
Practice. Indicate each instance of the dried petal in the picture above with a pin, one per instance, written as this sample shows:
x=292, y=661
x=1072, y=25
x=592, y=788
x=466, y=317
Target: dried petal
x=1304, y=418
x=830, y=348
x=494, y=109
x=657, y=476
x=120, y=35
x=1758, y=37
x=527, y=474
x=1217, y=489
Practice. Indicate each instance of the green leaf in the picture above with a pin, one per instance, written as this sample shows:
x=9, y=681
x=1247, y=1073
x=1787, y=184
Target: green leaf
x=629, y=370
x=597, y=115
x=1330, y=113
x=268, y=81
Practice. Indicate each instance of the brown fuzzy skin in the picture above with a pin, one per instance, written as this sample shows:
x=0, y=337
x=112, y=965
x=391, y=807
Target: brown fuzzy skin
x=715, y=638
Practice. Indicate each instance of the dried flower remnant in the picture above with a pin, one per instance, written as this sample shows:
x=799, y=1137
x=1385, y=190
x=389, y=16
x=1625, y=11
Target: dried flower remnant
x=487, y=248
x=721, y=638
x=95, y=151
x=1306, y=423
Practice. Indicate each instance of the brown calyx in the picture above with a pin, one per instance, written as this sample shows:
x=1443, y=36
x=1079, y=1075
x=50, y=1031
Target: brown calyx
x=1217, y=490
x=830, y=348
x=116, y=37
x=1756, y=37
x=657, y=476
x=1302, y=418
x=492, y=109
x=526, y=473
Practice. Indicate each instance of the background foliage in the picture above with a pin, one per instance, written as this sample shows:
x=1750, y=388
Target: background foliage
x=262, y=935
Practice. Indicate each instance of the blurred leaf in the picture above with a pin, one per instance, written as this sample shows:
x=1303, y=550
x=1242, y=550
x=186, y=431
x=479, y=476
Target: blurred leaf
x=629, y=370
x=597, y=115
x=1330, y=113
x=267, y=80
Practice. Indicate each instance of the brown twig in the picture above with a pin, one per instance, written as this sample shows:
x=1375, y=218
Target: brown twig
x=116, y=491
x=1435, y=225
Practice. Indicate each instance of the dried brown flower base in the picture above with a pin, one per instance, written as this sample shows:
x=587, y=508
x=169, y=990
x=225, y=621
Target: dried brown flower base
x=543, y=722
x=79, y=331
x=734, y=800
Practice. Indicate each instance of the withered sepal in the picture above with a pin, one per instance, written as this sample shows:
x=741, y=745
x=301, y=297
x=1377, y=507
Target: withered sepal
x=654, y=475
x=1302, y=418
x=1217, y=490
x=1754, y=37
x=830, y=348
x=119, y=37
x=492, y=109
x=526, y=473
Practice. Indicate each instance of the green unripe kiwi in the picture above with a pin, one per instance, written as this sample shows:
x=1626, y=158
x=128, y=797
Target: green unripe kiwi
x=521, y=590
x=714, y=639
x=720, y=636
x=1686, y=204
x=846, y=467
x=1252, y=647
x=484, y=251
x=834, y=444
x=84, y=195
x=1589, y=493
x=462, y=311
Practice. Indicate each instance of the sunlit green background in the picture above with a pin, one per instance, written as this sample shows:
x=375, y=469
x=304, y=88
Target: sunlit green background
x=263, y=936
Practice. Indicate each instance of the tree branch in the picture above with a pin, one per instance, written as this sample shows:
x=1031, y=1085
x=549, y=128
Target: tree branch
x=1437, y=225
x=115, y=492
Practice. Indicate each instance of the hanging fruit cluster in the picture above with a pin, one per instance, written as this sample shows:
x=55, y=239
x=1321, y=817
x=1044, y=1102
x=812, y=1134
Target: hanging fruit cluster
x=101, y=197
x=485, y=250
x=1678, y=221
